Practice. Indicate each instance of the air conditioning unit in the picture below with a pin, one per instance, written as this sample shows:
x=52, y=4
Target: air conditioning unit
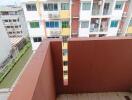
x=54, y=16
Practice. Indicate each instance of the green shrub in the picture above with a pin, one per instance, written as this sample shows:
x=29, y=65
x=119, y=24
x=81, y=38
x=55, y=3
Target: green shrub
x=10, y=65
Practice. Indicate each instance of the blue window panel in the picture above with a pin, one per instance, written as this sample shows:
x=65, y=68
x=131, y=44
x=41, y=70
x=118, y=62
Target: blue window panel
x=56, y=24
x=47, y=24
x=119, y=5
x=114, y=23
x=51, y=24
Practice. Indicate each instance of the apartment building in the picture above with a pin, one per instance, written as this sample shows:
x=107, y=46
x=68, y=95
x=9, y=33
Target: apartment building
x=14, y=21
x=125, y=27
x=5, y=44
x=72, y=18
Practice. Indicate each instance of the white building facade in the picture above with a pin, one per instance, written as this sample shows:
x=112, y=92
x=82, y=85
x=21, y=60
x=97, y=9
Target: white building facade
x=5, y=44
x=72, y=18
x=14, y=21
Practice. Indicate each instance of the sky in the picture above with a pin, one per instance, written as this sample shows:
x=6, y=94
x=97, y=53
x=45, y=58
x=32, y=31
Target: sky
x=10, y=2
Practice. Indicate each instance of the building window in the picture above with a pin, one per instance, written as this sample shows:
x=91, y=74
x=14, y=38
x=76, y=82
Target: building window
x=16, y=26
x=37, y=39
x=5, y=20
x=34, y=24
x=12, y=26
x=84, y=24
x=119, y=5
x=64, y=6
x=102, y=35
x=18, y=32
x=10, y=20
x=114, y=23
x=52, y=24
x=130, y=24
x=51, y=7
x=10, y=32
x=7, y=26
x=4, y=13
x=65, y=63
x=86, y=6
x=31, y=7
x=65, y=52
x=65, y=24
x=14, y=20
x=93, y=35
x=64, y=38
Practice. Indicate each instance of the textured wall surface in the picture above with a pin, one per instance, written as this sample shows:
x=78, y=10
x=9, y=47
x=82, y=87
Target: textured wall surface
x=99, y=65
x=94, y=65
x=37, y=81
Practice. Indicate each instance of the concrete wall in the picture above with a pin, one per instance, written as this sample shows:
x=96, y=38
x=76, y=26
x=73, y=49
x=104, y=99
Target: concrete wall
x=37, y=82
x=99, y=65
x=94, y=65
x=5, y=44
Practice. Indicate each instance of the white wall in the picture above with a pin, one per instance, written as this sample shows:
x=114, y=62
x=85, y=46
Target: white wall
x=5, y=44
x=85, y=14
x=23, y=24
x=34, y=32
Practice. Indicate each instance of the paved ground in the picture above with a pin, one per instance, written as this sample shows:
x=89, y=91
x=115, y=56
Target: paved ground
x=97, y=96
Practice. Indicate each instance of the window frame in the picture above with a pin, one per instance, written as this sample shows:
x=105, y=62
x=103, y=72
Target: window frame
x=86, y=7
x=65, y=24
x=130, y=23
x=119, y=5
x=64, y=6
x=84, y=22
x=32, y=24
x=115, y=23
x=31, y=7
x=50, y=23
x=37, y=39
x=54, y=6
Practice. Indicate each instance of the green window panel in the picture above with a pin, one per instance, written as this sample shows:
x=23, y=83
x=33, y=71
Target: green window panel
x=119, y=5
x=34, y=24
x=65, y=24
x=114, y=23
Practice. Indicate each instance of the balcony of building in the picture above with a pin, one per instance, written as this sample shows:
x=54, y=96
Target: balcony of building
x=97, y=69
x=104, y=25
x=97, y=7
x=65, y=14
x=126, y=9
x=55, y=33
x=94, y=26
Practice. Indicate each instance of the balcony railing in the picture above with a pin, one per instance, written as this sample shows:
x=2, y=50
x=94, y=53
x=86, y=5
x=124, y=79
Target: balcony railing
x=94, y=65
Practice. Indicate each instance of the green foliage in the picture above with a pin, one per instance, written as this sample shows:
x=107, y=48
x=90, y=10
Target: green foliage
x=11, y=64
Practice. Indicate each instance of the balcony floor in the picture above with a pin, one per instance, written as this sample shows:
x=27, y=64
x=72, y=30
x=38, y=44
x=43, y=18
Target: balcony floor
x=97, y=96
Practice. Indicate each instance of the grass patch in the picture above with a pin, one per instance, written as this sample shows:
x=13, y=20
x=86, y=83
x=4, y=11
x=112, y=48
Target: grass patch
x=12, y=70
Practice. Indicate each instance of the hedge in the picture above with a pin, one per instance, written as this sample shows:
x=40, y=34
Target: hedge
x=11, y=64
